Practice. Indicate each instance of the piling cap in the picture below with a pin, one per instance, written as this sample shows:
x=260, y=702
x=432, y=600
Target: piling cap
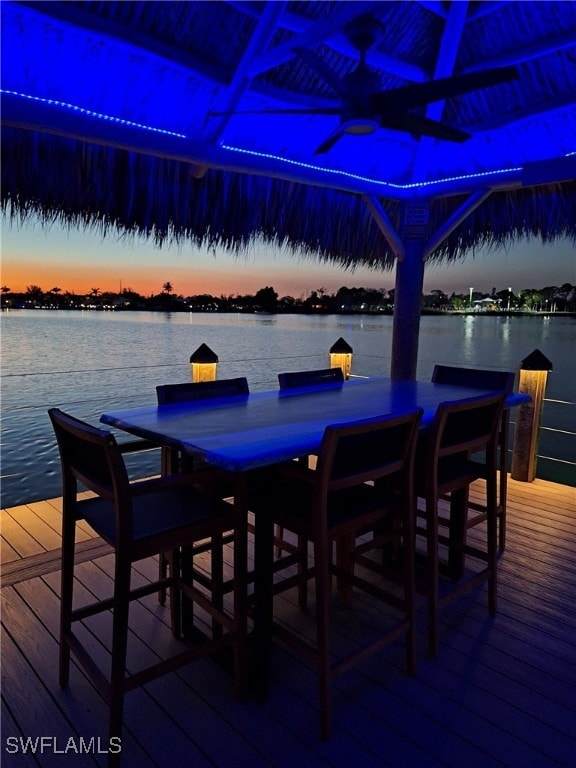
x=536, y=361
x=341, y=347
x=204, y=355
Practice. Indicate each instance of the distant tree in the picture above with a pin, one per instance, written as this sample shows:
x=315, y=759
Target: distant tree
x=457, y=301
x=266, y=299
x=436, y=299
x=167, y=287
x=94, y=291
x=34, y=291
x=5, y=289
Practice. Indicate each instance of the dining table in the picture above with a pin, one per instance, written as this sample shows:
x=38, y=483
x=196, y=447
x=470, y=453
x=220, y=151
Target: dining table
x=241, y=433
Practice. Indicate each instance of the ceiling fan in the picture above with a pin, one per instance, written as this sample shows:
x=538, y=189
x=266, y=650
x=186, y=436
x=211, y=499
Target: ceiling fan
x=364, y=107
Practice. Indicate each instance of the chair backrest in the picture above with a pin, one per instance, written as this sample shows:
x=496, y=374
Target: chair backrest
x=200, y=390
x=500, y=381
x=293, y=379
x=367, y=450
x=465, y=427
x=90, y=456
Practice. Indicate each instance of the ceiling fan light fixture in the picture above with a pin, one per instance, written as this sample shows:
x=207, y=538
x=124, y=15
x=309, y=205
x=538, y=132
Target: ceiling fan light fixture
x=360, y=126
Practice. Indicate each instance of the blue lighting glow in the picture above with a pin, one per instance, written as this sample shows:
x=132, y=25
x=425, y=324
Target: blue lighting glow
x=347, y=174
x=386, y=185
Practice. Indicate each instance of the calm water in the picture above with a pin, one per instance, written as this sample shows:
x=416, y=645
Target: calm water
x=95, y=361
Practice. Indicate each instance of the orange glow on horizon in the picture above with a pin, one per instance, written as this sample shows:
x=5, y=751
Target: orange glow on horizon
x=82, y=278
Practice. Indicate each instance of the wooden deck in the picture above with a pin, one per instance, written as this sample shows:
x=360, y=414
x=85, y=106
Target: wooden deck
x=502, y=691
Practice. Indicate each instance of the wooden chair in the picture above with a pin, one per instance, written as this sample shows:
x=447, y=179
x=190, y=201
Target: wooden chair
x=444, y=466
x=498, y=381
x=294, y=380
x=139, y=520
x=337, y=499
x=188, y=392
x=172, y=461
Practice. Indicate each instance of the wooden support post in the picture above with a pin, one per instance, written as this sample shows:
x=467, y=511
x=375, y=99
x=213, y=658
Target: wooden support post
x=533, y=376
x=341, y=356
x=407, y=306
x=203, y=364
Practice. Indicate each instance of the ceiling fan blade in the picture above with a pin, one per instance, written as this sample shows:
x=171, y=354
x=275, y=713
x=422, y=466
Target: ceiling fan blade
x=424, y=126
x=418, y=94
x=329, y=142
x=322, y=69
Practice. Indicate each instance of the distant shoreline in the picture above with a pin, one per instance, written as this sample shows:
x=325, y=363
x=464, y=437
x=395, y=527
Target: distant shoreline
x=296, y=311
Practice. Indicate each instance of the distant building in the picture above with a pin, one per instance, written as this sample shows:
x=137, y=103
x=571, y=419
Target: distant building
x=488, y=304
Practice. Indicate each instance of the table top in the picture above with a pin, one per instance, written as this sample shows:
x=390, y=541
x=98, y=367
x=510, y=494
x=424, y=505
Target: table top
x=247, y=431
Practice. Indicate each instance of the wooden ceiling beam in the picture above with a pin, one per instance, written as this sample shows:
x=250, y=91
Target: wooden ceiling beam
x=446, y=59
x=435, y=7
x=528, y=53
x=315, y=33
x=241, y=81
x=296, y=23
x=486, y=7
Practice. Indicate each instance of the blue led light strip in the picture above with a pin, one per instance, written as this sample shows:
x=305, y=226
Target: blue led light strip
x=91, y=113
x=267, y=155
x=355, y=176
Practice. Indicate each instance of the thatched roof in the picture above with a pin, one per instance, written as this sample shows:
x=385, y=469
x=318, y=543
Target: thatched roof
x=107, y=112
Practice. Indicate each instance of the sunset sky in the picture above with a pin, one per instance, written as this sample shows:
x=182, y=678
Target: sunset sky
x=79, y=261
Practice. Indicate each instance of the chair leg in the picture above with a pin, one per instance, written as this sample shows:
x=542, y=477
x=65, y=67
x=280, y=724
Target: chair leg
x=492, y=543
x=217, y=579
x=174, y=562
x=503, y=448
x=409, y=579
x=279, y=536
x=162, y=574
x=432, y=576
x=66, y=597
x=345, y=563
x=302, y=568
x=323, y=598
x=119, y=648
x=457, y=529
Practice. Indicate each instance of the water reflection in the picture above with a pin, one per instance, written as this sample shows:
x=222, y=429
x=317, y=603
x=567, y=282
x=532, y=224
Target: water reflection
x=58, y=358
x=467, y=345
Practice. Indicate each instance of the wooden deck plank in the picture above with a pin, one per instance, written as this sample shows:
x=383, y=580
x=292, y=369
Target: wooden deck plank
x=51, y=514
x=7, y=553
x=14, y=741
x=46, y=536
x=18, y=537
x=499, y=693
x=32, y=704
x=141, y=710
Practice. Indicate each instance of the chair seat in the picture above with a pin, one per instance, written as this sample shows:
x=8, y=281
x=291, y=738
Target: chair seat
x=457, y=473
x=181, y=507
x=293, y=498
